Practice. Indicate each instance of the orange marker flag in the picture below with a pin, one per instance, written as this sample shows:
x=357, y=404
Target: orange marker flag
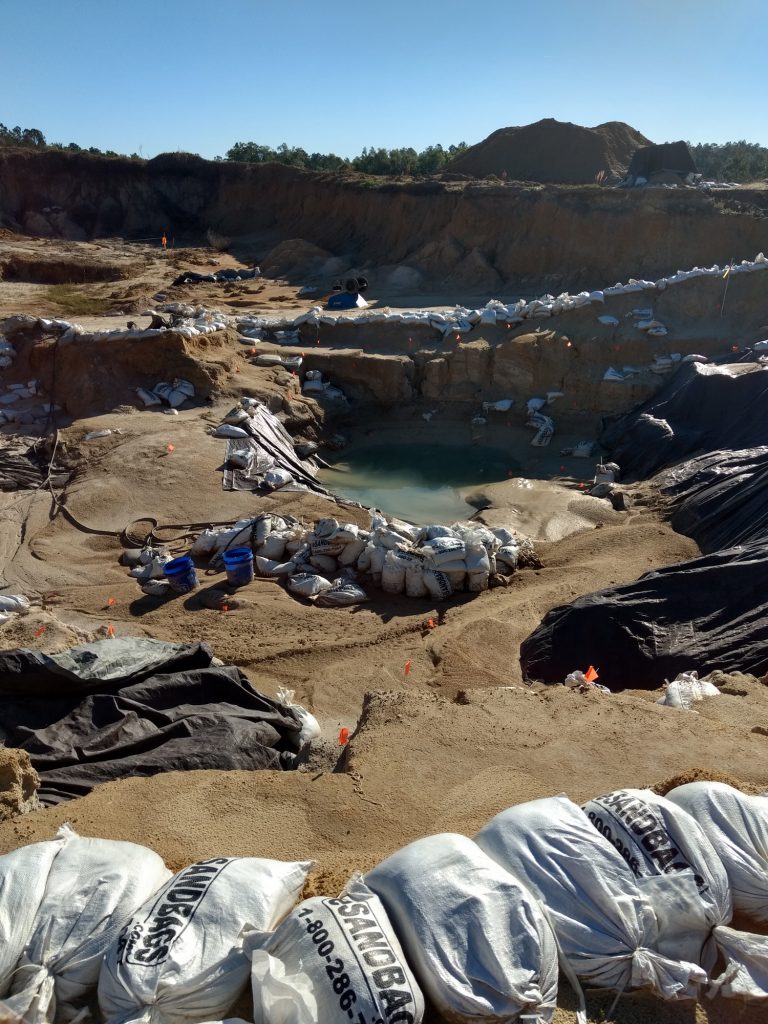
x=111, y=601
x=170, y=448
x=40, y=632
x=110, y=630
x=408, y=667
x=431, y=623
x=591, y=674
x=343, y=737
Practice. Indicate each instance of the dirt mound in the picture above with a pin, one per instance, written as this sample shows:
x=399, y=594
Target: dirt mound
x=295, y=256
x=553, y=151
x=19, y=783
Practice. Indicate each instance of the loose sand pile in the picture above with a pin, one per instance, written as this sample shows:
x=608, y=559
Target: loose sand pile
x=552, y=151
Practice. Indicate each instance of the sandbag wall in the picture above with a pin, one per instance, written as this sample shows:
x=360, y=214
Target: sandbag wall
x=327, y=562
x=632, y=891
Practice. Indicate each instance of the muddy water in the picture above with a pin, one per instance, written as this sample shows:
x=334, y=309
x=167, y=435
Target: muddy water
x=418, y=482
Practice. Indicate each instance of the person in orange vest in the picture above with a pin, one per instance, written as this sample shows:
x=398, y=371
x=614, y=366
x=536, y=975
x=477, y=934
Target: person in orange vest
x=164, y=241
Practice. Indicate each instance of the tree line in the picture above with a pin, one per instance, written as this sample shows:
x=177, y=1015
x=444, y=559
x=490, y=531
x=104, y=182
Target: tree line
x=728, y=161
x=376, y=160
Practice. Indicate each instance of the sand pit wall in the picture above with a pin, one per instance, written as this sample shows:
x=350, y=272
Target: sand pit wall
x=462, y=233
x=88, y=374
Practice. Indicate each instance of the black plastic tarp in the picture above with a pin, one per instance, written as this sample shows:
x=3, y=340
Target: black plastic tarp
x=89, y=728
x=702, y=408
x=720, y=499
x=667, y=156
x=709, y=613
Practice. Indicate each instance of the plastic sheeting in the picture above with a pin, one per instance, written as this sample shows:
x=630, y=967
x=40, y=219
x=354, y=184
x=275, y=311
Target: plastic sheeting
x=81, y=730
x=720, y=499
x=702, y=408
x=711, y=613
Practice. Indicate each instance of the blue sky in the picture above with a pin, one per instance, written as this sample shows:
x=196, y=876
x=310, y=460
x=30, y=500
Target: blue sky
x=153, y=75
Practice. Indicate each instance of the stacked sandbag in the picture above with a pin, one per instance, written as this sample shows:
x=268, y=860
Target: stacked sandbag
x=604, y=922
x=478, y=941
x=23, y=875
x=185, y=954
x=325, y=564
x=737, y=827
x=679, y=871
x=92, y=889
x=332, y=960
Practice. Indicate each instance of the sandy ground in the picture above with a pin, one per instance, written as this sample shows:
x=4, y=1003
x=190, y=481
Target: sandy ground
x=442, y=749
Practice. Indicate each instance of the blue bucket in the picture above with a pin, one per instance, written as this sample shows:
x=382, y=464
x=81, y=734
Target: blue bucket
x=239, y=565
x=181, y=574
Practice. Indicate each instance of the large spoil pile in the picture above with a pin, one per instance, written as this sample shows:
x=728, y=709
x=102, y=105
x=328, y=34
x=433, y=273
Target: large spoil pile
x=552, y=151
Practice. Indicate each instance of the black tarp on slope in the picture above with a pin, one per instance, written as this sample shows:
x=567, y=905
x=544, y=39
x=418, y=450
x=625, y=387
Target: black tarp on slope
x=702, y=408
x=81, y=731
x=709, y=613
x=720, y=499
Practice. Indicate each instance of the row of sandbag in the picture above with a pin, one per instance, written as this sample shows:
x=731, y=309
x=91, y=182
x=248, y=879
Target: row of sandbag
x=632, y=891
x=420, y=561
x=462, y=319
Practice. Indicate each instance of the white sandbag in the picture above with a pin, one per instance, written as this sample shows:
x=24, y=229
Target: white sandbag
x=438, y=584
x=268, y=567
x=478, y=940
x=431, y=532
x=376, y=564
x=414, y=580
x=307, y=584
x=605, y=925
x=342, y=594
x=332, y=960
x=242, y=458
x=737, y=827
x=364, y=560
x=277, y=478
x=690, y=894
x=185, y=955
x=444, y=549
x=229, y=430
x=23, y=874
x=325, y=528
x=686, y=690
x=393, y=574
x=327, y=547
x=14, y=603
x=506, y=558
x=457, y=575
x=390, y=539
x=476, y=559
x=351, y=552
x=324, y=563
x=273, y=547
x=345, y=533
x=477, y=581
x=92, y=889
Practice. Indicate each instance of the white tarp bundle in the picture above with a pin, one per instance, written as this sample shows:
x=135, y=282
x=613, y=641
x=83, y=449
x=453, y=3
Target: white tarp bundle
x=185, y=954
x=23, y=874
x=92, y=889
x=335, y=959
x=478, y=940
x=668, y=852
x=737, y=827
x=605, y=925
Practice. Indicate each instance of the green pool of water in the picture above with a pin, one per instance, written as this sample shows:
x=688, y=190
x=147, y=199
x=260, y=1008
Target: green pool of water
x=417, y=482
